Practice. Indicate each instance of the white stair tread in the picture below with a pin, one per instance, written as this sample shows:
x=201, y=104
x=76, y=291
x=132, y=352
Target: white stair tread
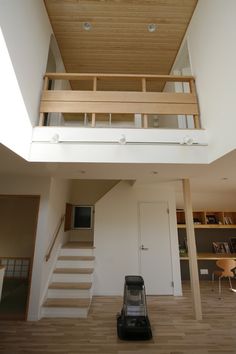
x=67, y=302
x=63, y=285
x=76, y=258
x=78, y=245
x=73, y=270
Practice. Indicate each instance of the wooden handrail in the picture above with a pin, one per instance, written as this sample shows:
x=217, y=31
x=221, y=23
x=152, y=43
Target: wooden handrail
x=88, y=76
x=47, y=256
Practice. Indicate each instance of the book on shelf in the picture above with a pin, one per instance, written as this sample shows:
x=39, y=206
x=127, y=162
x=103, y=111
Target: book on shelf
x=228, y=220
x=221, y=247
x=196, y=221
x=211, y=219
x=232, y=244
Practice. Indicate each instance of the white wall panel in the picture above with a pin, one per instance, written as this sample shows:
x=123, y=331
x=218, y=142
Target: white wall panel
x=117, y=235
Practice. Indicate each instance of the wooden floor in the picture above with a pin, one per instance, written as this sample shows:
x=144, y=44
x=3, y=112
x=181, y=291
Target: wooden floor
x=174, y=329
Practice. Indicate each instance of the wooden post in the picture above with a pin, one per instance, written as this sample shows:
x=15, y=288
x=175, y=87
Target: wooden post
x=192, y=87
x=144, y=89
x=193, y=266
x=94, y=89
x=41, y=115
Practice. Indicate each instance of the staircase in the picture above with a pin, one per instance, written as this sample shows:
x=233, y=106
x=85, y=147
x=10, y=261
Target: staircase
x=70, y=291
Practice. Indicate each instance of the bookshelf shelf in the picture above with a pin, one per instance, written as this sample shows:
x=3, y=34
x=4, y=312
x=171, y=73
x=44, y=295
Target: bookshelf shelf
x=209, y=219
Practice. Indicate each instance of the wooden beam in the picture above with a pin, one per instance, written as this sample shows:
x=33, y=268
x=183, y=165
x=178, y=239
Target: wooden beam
x=193, y=265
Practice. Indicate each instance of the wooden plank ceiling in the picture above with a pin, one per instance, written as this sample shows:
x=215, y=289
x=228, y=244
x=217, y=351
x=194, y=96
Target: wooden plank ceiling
x=119, y=41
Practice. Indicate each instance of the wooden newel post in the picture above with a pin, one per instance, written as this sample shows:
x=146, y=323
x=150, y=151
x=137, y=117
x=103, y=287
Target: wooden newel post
x=94, y=89
x=193, y=265
x=144, y=89
x=196, y=116
x=45, y=87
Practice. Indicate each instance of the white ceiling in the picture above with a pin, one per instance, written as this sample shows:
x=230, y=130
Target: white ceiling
x=218, y=176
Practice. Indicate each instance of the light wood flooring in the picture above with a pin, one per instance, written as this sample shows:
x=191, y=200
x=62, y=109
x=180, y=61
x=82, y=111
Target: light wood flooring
x=174, y=329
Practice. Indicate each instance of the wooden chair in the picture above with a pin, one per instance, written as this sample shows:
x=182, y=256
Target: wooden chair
x=226, y=265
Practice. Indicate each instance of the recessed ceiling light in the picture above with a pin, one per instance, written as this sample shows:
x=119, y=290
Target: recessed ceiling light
x=224, y=178
x=151, y=27
x=87, y=26
x=154, y=172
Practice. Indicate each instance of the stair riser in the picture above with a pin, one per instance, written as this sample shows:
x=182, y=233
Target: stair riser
x=76, y=252
x=64, y=312
x=74, y=264
x=69, y=294
x=78, y=278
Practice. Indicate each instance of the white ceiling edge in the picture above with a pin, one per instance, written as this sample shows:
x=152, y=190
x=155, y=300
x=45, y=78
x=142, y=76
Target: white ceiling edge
x=117, y=153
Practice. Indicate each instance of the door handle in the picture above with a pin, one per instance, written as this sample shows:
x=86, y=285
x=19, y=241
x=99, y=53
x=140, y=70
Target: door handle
x=143, y=248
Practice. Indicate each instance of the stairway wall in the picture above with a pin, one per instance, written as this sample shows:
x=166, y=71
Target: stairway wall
x=116, y=235
x=87, y=192
x=58, y=196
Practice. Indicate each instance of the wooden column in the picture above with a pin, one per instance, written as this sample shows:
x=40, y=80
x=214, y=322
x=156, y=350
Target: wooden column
x=94, y=89
x=193, y=266
x=192, y=87
x=144, y=89
x=41, y=115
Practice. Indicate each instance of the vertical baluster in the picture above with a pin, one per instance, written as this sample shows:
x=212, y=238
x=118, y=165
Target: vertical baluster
x=144, y=89
x=195, y=116
x=109, y=119
x=94, y=89
x=42, y=115
x=85, y=119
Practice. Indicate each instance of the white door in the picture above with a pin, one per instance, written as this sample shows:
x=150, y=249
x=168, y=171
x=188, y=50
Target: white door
x=154, y=248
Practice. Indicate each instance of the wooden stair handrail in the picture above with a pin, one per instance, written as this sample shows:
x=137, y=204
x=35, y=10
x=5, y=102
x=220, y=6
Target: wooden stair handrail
x=48, y=255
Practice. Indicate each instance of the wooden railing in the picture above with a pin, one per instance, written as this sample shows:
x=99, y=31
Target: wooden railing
x=48, y=255
x=141, y=100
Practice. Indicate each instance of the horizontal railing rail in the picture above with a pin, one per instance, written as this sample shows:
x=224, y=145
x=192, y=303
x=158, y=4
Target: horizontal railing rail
x=86, y=76
x=140, y=101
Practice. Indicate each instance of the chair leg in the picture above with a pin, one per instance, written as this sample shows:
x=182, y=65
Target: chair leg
x=219, y=287
x=212, y=281
x=230, y=283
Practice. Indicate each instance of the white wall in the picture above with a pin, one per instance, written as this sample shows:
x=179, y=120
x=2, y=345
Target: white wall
x=87, y=192
x=215, y=201
x=52, y=203
x=58, y=196
x=32, y=186
x=18, y=222
x=24, y=42
x=212, y=51
x=116, y=235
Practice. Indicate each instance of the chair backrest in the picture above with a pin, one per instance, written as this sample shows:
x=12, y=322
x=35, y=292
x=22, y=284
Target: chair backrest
x=227, y=265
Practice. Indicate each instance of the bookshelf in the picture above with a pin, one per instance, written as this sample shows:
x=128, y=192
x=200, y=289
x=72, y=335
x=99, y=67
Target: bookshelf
x=208, y=219
x=210, y=227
